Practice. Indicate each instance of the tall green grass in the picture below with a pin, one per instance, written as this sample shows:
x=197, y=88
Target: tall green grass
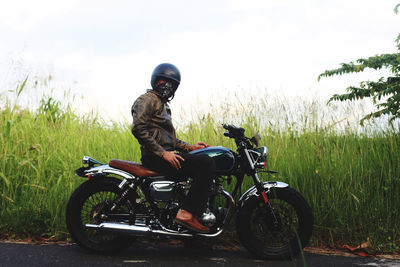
x=351, y=178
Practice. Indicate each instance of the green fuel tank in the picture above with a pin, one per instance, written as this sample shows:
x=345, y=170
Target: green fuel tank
x=224, y=158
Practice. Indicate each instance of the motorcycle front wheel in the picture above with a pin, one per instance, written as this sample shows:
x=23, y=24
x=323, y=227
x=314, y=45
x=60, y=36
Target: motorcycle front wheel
x=86, y=205
x=267, y=238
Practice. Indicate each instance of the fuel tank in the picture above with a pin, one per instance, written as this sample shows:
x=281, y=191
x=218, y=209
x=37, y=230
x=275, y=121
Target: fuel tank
x=223, y=157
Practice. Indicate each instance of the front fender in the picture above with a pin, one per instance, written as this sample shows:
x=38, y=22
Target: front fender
x=252, y=191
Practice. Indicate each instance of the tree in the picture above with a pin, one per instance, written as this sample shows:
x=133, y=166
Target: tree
x=387, y=88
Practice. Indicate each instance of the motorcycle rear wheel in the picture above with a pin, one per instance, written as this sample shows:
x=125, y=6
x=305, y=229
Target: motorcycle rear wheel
x=258, y=235
x=86, y=202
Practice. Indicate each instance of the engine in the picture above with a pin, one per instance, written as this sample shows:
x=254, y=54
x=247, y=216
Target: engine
x=168, y=190
x=169, y=196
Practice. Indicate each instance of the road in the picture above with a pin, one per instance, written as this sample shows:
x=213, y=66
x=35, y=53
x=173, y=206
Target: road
x=23, y=254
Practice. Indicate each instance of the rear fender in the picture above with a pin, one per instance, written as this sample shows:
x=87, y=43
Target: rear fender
x=102, y=170
x=252, y=191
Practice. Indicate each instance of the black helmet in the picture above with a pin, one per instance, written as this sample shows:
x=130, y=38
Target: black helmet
x=165, y=70
x=169, y=73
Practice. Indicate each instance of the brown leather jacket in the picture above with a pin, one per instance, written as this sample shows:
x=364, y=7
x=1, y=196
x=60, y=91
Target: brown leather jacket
x=152, y=126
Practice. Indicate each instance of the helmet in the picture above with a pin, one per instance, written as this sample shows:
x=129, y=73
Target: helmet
x=165, y=70
x=171, y=75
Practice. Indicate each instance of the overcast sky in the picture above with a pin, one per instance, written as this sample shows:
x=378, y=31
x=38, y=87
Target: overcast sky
x=110, y=48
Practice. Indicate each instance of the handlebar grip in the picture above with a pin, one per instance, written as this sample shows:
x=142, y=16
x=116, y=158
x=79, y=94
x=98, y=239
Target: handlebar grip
x=229, y=127
x=233, y=131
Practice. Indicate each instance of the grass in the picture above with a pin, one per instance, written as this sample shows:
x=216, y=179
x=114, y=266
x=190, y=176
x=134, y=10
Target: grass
x=350, y=177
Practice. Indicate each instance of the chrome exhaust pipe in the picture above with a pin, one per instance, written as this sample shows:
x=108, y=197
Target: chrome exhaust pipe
x=120, y=228
x=138, y=230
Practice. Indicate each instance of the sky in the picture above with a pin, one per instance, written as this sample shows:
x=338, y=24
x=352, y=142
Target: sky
x=107, y=50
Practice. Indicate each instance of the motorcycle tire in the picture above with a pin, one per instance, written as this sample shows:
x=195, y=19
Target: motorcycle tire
x=261, y=238
x=85, y=201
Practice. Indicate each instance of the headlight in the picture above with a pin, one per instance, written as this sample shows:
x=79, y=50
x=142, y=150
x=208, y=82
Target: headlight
x=263, y=150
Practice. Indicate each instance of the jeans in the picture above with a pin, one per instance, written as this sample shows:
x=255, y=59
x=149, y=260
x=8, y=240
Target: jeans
x=201, y=168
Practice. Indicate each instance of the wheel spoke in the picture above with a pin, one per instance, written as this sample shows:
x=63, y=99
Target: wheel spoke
x=90, y=201
x=266, y=234
x=92, y=207
x=281, y=230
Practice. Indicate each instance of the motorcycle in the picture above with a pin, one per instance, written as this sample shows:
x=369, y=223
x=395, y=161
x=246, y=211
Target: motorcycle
x=105, y=213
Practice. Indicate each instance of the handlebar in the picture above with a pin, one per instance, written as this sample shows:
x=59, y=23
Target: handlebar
x=238, y=134
x=233, y=131
x=228, y=126
x=232, y=128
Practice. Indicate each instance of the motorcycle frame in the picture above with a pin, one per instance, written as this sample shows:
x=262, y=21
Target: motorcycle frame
x=131, y=182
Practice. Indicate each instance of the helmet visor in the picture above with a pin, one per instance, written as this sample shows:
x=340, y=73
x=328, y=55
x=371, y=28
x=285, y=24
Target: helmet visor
x=166, y=88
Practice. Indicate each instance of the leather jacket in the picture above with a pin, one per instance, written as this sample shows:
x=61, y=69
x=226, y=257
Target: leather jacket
x=152, y=126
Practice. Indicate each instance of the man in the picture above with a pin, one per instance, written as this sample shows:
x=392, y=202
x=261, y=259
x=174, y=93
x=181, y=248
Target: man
x=152, y=126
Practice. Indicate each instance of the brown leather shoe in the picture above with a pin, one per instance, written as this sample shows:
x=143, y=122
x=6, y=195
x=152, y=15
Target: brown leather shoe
x=187, y=219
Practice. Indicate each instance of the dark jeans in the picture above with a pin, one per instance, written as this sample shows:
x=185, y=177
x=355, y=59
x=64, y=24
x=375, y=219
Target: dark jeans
x=201, y=168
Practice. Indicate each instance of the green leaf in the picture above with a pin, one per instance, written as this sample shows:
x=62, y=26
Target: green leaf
x=387, y=89
x=396, y=8
x=4, y=178
x=9, y=123
x=22, y=86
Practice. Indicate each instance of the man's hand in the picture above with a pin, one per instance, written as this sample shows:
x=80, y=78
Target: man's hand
x=173, y=159
x=198, y=145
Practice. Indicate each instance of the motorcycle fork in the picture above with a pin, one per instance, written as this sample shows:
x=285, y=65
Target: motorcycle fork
x=273, y=220
x=256, y=179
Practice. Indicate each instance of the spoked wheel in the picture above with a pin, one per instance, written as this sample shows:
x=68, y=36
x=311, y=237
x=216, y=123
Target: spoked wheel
x=279, y=234
x=89, y=204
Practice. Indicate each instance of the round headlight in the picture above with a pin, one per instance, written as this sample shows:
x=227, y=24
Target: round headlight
x=264, y=153
x=263, y=150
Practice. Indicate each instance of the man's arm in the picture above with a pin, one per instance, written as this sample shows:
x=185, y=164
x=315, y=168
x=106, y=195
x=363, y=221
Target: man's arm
x=182, y=146
x=185, y=147
x=142, y=111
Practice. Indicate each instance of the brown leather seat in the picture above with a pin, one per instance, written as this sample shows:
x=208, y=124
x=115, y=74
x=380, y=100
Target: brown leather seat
x=132, y=167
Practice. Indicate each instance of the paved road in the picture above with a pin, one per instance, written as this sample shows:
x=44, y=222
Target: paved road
x=17, y=254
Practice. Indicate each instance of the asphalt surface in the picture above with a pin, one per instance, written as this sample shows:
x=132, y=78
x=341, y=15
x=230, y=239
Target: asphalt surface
x=22, y=254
